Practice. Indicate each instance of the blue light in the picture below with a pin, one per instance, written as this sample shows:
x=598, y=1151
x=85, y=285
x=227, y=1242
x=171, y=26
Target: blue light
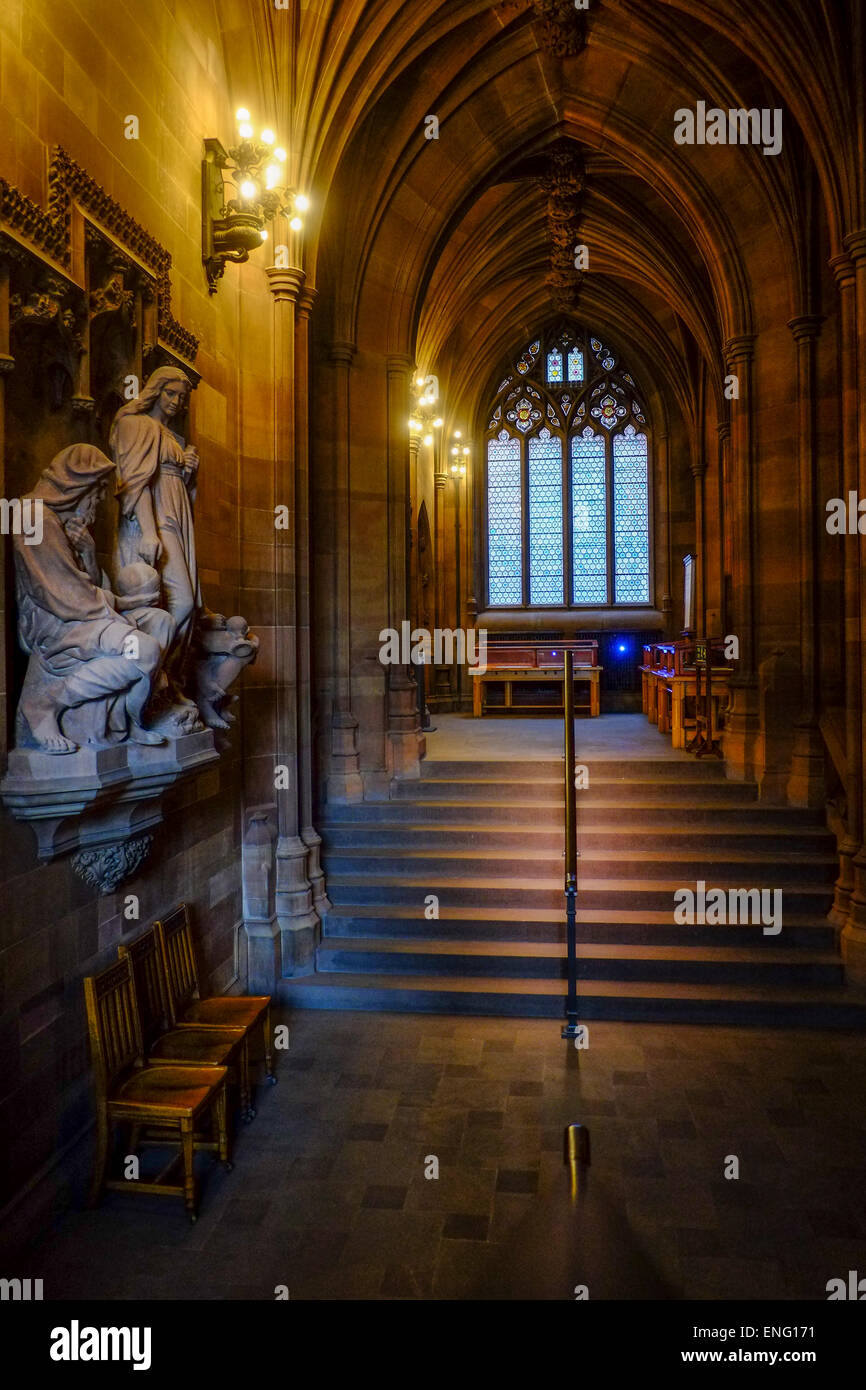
x=622, y=647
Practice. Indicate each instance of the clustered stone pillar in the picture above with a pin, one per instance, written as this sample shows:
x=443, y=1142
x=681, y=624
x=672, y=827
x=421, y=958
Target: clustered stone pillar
x=843, y=268
x=403, y=739
x=442, y=683
x=854, y=348
x=310, y=836
x=662, y=458
x=742, y=728
x=344, y=776
x=297, y=918
x=806, y=782
x=7, y=364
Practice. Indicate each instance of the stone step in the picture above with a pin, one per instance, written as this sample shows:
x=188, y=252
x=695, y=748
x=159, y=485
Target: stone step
x=595, y=811
x=745, y=868
x=546, y=790
x=613, y=769
x=607, y=894
x=533, y=960
x=391, y=837
x=629, y=928
x=616, y=1001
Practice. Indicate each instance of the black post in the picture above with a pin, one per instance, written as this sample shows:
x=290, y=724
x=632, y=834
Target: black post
x=571, y=1027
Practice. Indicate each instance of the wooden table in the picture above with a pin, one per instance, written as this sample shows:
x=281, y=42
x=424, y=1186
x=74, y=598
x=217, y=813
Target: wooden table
x=510, y=676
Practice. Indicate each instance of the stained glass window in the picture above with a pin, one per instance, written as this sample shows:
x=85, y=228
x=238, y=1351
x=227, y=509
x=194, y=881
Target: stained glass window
x=589, y=517
x=504, y=519
x=568, y=478
x=630, y=517
x=546, y=575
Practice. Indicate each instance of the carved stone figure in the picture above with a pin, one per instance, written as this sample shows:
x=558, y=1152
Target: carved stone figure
x=223, y=652
x=156, y=491
x=92, y=668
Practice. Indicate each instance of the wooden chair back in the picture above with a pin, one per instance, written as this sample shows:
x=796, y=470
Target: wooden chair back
x=178, y=958
x=113, y=1024
x=148, y=978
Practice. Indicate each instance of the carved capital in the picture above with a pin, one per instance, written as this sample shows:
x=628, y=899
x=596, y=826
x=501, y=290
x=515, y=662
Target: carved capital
x=306, y=300
x=806, y=327
x=842, y=267
x=740, y=348
x=855, y=244
x=342, y=354
x=285, y=282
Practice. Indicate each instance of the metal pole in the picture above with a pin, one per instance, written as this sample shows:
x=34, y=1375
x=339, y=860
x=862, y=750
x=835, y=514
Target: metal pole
x=571, y=1027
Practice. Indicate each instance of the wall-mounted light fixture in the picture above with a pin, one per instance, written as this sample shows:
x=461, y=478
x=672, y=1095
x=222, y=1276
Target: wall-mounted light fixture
x=242, y=189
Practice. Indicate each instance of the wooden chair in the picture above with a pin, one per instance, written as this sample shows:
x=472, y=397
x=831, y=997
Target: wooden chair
x=185, y=1004
x=188, y=1044
x=174, y=1099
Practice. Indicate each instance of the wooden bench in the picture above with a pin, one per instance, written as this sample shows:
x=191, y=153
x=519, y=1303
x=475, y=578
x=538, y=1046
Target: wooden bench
x=529, y=663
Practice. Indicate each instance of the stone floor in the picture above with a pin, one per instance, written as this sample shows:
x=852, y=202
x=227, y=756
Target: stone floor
x=329, y=1196
x=460, y=737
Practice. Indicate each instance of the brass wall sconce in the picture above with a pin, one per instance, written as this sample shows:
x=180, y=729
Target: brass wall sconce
x=242, y=189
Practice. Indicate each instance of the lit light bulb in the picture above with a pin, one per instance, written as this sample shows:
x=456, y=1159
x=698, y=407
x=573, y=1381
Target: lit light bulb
x=272, y=176
x=246, y=131
x=465, y=451
x=248, y=189
x=296, y=224
x=242, y=114
x=263, y=234
x=458, y=434
x=280, y=154
x=438, y=422
x=268, y=137
x=419, y=381
x=455, y=450
x=302, y=202
x=428, y=439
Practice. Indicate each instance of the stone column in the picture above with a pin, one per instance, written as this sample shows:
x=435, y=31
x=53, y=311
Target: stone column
x=742, y=730
x=725, y=538
x=843, y=268
x=441, y=694
x=297, y=919
x=7, y=365
x=699, y=473
x=403, y=740
x=853, y=939
x=662, y=461
x=806, y=782
x=344, y=776
x=310, y=836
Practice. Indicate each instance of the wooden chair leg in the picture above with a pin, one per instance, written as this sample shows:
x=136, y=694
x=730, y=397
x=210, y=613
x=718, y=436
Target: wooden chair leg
x=221, y=1110
x=266, y=1036
x=247, y=1108
x=186, y=1143
x=100, y=1159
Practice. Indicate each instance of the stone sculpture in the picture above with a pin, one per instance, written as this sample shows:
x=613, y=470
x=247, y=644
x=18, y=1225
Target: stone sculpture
x=92, y=666
x=157, y=474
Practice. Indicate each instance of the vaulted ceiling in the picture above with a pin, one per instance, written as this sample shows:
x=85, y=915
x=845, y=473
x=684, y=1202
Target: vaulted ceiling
x=441, y=248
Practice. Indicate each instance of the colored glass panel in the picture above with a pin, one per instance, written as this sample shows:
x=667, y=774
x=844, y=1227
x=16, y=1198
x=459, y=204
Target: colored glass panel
x=546, y=573
x=504, y=520
x=630, y=517
x=589, y=517
x=554, y=365
x=575, y=365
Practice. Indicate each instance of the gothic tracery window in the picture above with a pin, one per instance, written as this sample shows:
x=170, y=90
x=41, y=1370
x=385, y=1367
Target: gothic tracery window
x=567, y=479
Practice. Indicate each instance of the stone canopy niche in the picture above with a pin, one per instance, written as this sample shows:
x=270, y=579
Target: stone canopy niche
x=123, y=671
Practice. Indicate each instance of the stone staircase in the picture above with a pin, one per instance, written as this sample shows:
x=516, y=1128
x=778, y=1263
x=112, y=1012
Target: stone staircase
x=486, y=838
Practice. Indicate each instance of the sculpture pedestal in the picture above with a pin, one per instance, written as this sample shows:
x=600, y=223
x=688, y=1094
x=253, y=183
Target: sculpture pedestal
x=100, y=802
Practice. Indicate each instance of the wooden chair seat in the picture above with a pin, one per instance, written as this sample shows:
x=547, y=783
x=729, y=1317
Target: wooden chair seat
x=250, y=1012
x=173, y=1090
x=181, y=1044
x=172, y=1099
